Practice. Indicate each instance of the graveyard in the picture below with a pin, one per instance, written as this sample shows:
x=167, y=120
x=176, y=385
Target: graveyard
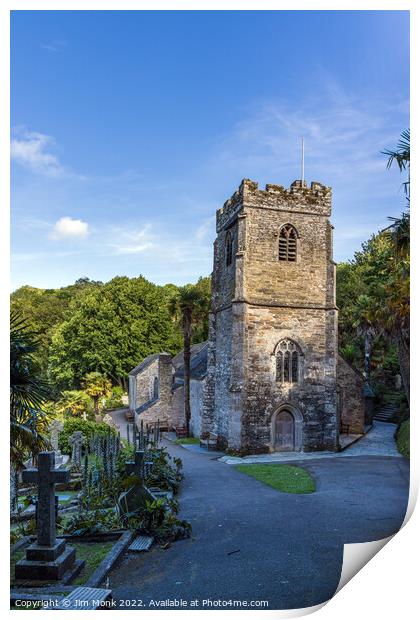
x=73, y=515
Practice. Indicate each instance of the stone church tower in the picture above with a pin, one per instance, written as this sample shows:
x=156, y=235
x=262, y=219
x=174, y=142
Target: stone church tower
x=272, y=362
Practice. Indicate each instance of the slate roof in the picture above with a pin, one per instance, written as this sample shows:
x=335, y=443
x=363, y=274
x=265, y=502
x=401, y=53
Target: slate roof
x=198, y=364
x=178, y=359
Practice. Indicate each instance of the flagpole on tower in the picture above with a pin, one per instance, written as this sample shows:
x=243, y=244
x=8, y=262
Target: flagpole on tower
x=303, y=162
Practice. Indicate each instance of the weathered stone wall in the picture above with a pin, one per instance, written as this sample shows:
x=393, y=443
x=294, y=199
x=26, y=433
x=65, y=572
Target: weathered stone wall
x=222, y=401
x=132, y=393
x=144, y=383
x=351, y=401
x=177, y=404
x=196, y=388
x=314, y=396
x=160, y=408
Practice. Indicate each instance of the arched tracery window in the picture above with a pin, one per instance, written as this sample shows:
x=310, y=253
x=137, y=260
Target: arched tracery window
x=229, y=248
x=288, y=243
x=288, y=362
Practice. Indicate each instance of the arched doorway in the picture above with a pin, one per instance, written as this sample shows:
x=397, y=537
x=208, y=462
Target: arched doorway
x=287, y=429
x=284, y=431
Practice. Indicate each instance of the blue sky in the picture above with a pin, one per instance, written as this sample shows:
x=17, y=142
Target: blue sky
x=130, y=128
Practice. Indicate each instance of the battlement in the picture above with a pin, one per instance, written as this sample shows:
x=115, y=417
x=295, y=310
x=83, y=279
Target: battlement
x=299, y=197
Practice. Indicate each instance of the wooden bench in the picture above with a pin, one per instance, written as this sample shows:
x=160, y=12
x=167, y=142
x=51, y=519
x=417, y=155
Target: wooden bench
x=209, y=442
x=181, y=431
x=345, y=428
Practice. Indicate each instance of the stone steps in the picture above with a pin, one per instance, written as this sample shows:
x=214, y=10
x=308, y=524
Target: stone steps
x=387, y=413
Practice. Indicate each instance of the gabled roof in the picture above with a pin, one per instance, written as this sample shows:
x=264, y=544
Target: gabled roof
x=145, y=363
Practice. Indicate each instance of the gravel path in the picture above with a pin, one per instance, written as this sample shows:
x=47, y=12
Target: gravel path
x=378, y=442
x=252, y=543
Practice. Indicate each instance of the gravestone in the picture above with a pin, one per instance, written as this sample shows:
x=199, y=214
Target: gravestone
x=135, y=497
x=76, y=441
x=136, y=467
x=110, y=421
x=55, y=429
x=48, y=558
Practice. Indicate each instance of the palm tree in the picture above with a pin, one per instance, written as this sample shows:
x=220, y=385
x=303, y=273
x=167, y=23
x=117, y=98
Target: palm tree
x=189, y=306
x=74, y=402
x=395, y=313
x=28, y=421
x=402, y=155
x=364, y=324
x=96, y=385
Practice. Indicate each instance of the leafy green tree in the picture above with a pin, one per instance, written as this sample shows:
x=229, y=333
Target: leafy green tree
x=28, y=421
x=43, y=310
x=96, y=385
x=109, y=328
x=189, y=307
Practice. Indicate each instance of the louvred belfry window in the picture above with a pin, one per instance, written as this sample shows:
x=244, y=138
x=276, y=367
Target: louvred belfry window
x=288, y=243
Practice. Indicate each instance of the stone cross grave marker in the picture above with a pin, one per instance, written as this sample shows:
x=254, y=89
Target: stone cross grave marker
x=76, y=441
x=55, y=429
x=46, y=476
x=47, y=558
x=136, y=467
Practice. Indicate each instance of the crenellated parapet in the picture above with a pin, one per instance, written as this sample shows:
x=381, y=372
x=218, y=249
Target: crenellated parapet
x=299, y=198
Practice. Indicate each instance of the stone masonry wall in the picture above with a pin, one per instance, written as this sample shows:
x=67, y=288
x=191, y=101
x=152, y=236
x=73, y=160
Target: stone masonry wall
x=352, y=403
x=314, y=396
x=159, y=408
x=144, y=383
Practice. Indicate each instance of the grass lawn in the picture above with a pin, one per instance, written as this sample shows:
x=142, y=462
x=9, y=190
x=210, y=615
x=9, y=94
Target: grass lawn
x=92, y=553
x=286, y=478
x=192, y=440
x=403, y=439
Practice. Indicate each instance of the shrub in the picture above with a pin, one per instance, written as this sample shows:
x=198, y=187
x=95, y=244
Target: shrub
x=166, y=472
x=403, y=438
x=88, y=428
x=115, y=400
x=75, y=403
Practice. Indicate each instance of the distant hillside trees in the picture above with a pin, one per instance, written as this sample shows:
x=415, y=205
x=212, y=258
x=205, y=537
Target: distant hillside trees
x=104, y=328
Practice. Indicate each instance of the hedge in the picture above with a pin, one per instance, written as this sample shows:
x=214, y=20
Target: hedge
x=88, y=428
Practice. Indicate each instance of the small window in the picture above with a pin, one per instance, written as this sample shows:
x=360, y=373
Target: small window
x=288, y=243
x=289, y=360
x=229, y=249
x=155, y=387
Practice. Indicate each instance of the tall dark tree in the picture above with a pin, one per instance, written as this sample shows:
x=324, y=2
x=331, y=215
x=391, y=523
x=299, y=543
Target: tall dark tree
x=189, y=306
x=28, y=423
x=395, y=314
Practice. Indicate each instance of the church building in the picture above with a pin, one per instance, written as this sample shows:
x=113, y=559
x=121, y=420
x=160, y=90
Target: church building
x=270, y=377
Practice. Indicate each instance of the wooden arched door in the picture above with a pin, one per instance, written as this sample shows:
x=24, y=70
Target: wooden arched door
x=284, y=431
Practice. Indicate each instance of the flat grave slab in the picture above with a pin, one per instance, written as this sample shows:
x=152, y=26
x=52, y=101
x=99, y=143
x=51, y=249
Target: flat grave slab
x=86, y=598
x=141, y=543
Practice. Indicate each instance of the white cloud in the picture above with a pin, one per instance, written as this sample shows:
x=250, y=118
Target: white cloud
x=343, y=138
x=54, y=46
x=33, y=150
x=70, y=228
x=205, y=230
x=132, y=242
